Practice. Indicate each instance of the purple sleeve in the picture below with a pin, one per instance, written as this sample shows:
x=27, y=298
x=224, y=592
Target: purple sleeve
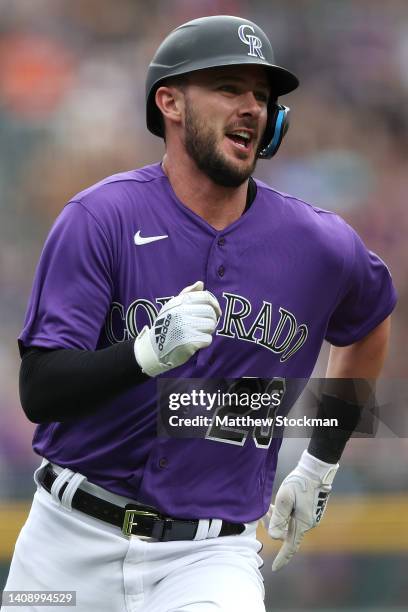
x=368, y=296
x=72, y=285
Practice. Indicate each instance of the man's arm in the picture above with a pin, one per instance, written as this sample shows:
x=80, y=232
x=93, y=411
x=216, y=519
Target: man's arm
x=363, y=359
x=302, y=497
x=66, y=384
x=350, y=384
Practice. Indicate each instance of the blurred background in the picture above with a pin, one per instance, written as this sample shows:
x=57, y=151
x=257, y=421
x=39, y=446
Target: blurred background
x=72, y=112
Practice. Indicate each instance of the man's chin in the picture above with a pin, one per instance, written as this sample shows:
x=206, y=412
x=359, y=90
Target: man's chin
x=234, y=172
x=230, y=175
x=223, y=167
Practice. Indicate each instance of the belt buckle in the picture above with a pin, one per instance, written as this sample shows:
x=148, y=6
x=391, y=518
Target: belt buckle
x=129, y=520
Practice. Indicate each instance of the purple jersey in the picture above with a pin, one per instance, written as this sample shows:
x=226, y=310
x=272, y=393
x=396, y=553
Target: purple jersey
x=287, y=276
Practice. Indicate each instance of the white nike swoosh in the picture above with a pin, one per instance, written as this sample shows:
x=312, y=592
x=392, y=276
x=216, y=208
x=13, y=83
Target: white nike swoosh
x=145, y=240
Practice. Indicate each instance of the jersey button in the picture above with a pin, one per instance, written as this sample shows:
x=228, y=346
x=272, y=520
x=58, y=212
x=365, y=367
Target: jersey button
x=163, y=462
x=221, y=241
x=221, y=271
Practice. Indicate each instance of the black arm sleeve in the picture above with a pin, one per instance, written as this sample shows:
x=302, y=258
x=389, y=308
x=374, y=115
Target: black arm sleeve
x=63, y=384
x=328, y=443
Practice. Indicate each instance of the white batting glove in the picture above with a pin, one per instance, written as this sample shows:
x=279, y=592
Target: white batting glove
x=183, y=326
x=299, y=504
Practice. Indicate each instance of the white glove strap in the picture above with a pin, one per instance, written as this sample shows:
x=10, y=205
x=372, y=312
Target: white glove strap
x=145, y=355
x=318, y=470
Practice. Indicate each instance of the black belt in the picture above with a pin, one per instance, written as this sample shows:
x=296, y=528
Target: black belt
x=134, y=519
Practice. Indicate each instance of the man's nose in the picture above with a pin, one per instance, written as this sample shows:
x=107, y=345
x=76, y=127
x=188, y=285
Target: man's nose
x=249, y=105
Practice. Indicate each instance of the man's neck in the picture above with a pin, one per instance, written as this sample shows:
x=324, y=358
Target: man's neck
x=219, y=206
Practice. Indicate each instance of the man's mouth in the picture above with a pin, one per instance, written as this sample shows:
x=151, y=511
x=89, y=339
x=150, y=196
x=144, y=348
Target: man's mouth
x=241, y=138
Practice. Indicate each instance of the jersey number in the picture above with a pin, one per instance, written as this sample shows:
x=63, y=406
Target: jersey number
x=261, y=434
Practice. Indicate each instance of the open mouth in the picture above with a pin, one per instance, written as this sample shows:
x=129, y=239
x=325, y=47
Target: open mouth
x=241, y=139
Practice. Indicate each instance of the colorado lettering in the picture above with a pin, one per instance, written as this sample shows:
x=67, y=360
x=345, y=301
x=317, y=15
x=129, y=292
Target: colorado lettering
x=283, y=336
x=286, y=339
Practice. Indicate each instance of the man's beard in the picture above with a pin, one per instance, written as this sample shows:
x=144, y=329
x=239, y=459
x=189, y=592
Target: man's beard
x=201, y=145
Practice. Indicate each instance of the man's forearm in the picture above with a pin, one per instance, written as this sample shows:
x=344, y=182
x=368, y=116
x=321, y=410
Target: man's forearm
x=350, y=385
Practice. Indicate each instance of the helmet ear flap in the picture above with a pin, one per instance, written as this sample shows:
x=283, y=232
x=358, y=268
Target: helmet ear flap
x=278, y=125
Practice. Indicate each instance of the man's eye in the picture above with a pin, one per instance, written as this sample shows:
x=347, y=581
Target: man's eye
x=262, y=97
x=228, y=88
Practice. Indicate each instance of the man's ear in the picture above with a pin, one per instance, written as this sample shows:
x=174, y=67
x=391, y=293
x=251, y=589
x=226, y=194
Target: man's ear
x=170, y=101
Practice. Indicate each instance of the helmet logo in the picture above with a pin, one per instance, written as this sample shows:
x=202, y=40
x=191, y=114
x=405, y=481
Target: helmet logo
x=254, y=42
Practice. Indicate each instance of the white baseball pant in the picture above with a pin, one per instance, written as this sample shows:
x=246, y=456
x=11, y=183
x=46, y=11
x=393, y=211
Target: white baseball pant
x=62, y=549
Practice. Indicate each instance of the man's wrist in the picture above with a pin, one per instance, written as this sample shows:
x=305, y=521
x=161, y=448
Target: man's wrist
x=318, y=469
x=145, y=355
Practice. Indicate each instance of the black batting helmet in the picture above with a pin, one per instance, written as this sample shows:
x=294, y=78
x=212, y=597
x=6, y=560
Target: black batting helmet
x=220, y=40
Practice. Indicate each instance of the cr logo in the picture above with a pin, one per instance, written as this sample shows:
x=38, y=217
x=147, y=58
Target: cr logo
x=254, y=42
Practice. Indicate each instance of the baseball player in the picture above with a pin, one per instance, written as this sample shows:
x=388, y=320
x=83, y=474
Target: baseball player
x=188, y=268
